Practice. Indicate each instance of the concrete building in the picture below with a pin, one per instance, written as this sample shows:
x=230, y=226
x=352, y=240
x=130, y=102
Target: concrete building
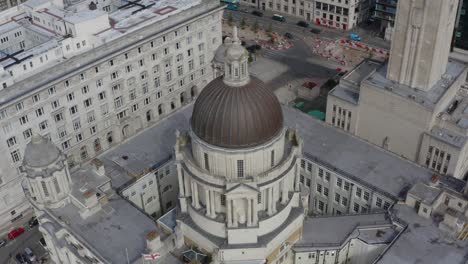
x=385, y=13
x=81, y=218
x=340, y=14
x=88, y=76
x=414, y=105
x=5, y=4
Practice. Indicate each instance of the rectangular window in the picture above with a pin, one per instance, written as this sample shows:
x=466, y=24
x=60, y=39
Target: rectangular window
x=272, y=158
x=207, y=164
x=240, y=168
x=339, y=182
x=44, y=188
x=358, y=192
x=337, y=198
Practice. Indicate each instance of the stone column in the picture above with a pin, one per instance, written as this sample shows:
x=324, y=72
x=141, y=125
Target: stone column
x=275, y=191
x=192, y=185
x=270, y=201
x=181, y=181
x=229, y=212
x=249, y=212
x=235, y=221
x=284, y=195
x=195, y=194
x=296, y=178
x=207, y=202
x=255, y=211
x=213, y=204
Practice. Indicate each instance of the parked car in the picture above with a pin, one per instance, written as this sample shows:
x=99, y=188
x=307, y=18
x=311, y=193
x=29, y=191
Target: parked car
x=42, y=242
x=257, y=13
x=288, y=35
x=29, y=254
x=15, y=233
x=256, y=46
x=303, y=24
x=315, y=31
x=279, y=18
x=354, y=37
x=33, y=222
x=20, y=258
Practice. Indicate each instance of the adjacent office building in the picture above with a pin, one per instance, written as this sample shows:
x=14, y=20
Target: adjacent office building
x=89, y=75
x=414, y=105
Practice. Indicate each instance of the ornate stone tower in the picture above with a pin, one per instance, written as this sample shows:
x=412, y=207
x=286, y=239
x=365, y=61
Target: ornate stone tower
x=47, y=175
x=238, y=170
x=421, y=42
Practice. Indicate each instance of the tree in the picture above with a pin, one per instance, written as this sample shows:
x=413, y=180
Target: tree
x=243, y=23
x=270, y=28
x=230, y=19
x=250, y=58
x=255, y=26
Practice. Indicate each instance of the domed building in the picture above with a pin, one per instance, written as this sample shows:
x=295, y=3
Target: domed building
x=238, y=169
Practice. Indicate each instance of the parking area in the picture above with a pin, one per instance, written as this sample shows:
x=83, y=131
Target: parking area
x=29, y=239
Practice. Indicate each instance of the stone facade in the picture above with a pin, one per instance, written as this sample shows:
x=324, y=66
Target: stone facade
x=345, y=14
x=415, y=105
x=91, y=102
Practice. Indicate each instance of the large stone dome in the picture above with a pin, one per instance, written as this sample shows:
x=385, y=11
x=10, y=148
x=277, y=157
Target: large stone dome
x=237, y=117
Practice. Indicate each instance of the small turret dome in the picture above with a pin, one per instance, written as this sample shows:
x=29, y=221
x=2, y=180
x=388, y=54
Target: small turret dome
x=40, y=152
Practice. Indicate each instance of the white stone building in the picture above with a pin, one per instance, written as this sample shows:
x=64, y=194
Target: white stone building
x=81, y=218
x=244, y=187
x=238, y=170
x=414, y=105
x=337, y=14
x=90, y=75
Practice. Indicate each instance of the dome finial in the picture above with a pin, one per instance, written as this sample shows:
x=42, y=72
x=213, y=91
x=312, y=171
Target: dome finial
x=235, y=38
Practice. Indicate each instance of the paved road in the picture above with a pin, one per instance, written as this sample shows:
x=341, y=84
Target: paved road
x=368, y=37
x=30, y=239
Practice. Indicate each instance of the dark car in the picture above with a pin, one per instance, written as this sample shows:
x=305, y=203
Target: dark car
x=315, y=31
x=257, y=13
x=21, y=258
x=33, y=222
x=288, y=35
x=302, y=24
x=256, y=46
x=243, y=43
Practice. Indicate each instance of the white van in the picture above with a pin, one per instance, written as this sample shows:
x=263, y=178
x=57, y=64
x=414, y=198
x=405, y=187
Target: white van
x=29, y=254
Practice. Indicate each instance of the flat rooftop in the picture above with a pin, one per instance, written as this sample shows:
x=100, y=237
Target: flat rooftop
x=335, y=149
x=334, y=231
x=427, y=99
x=146, y=151
x=348, y=88
x=128, y=26
x=346, y=94
x=132, y=17
x=423, y=242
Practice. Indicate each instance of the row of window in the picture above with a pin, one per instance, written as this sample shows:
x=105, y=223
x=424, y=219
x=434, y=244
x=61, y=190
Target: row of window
x=438, y=159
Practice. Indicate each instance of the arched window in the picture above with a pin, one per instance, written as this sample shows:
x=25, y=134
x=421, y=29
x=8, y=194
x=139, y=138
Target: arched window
x=83, y=153
x=182, y=95
x=109, y=137
x=240, y=168
x=160, y=109
x=148, y=115
x=97, y=145
x=193, y=91
x=172, y=105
